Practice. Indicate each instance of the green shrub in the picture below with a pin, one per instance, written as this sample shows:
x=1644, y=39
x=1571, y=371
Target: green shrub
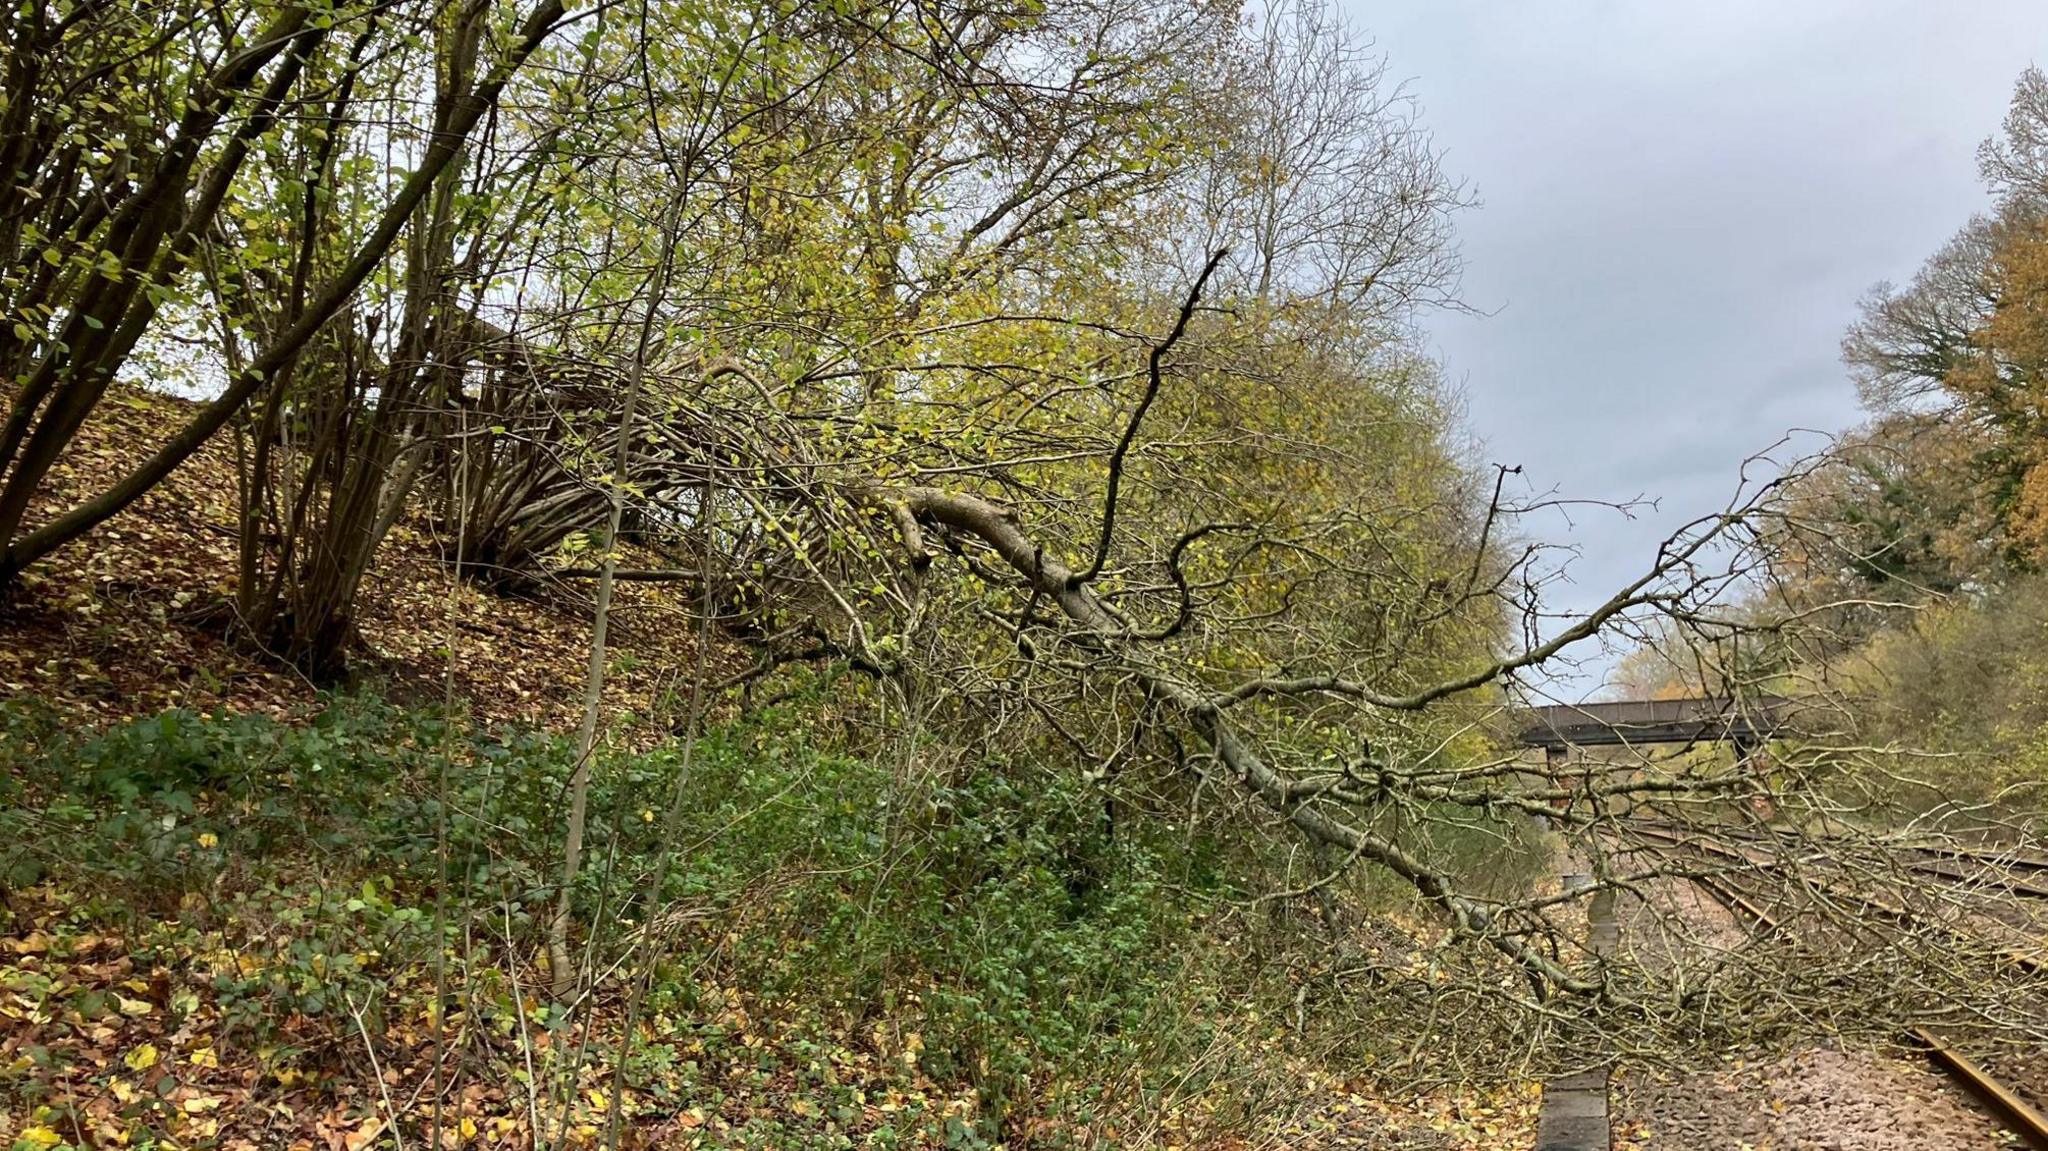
x=995, y=914
x=1964, y=686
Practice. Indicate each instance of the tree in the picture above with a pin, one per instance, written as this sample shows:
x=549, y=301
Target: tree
x=111, y=207
x=2004, y=378
x=1047, y=366
x=1951, y=366
x=338, y=438
x=1326, y=186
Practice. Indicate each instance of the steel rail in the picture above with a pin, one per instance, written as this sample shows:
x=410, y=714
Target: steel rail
x=2008, y=865
x=2025, y=961
x=2029, y=1123
x=2029, y=962
x=1727, y=896
x=2008, y=883
x=2005, y=859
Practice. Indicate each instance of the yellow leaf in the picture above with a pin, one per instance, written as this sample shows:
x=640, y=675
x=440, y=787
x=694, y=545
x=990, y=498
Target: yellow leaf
x=200, y=1105
x=208, y=840
x=142, y=1058
x=40, y=1137
x=202, y=1057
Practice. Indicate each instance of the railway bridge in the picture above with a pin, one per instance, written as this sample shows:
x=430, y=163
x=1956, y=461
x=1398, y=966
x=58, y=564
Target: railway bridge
x=1746, y=723
x=1565, y=730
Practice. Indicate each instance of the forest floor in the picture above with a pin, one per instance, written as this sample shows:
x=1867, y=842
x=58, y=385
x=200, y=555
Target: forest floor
x=135, y=1030
x=131, y=620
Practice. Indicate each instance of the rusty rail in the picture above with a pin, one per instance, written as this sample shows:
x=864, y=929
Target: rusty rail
x=2029, y=1123
x=2028, y=962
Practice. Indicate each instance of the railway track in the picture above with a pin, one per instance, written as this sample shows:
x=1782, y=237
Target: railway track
x=2011, y=1110
x=2025, y=888
x=2012, y=871
x=2027, y=962
x=2009, y=860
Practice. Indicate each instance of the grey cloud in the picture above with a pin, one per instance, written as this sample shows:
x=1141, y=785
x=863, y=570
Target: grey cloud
x=1681, y=205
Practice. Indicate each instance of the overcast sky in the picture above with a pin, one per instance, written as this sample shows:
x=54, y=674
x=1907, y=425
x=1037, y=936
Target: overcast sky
x=1682, y=203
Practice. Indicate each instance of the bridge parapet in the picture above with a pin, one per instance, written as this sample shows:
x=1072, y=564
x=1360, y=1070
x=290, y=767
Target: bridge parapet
x=1744, y=722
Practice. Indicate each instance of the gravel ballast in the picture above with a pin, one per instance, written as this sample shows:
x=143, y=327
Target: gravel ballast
x=1816, y=1099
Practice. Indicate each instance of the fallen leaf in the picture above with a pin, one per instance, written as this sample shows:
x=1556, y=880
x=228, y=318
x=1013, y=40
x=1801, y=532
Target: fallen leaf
x=363, y=1136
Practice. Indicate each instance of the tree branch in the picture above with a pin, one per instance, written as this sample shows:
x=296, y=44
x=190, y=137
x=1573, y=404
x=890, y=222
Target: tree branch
x=1153, y=375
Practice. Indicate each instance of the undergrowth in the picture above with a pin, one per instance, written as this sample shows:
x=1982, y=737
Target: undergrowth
x=839, y=955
